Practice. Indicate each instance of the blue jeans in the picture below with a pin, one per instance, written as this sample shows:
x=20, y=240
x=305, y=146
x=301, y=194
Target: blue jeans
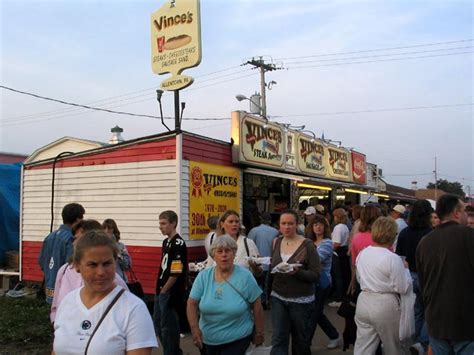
x=421, y=331
x=237, y=347
x=166, y=322
x=317, y=316
x=451, y=347
x=290, y=318
x=263, y=281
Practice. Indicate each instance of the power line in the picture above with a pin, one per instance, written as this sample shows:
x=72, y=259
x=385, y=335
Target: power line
x=379, y=60
x=105, y=100
x=226, y=118
x=13, y=122
x=105, y=110
x=376, y=110
x=378, y=49
x=379, y=55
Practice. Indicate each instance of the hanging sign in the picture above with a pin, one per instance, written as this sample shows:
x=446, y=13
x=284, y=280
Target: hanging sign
x=176, y=41
x=359, y=168
x=311, y=155
x=338, y=163
x=213, y=189
x=257, y=142
x=290, y=150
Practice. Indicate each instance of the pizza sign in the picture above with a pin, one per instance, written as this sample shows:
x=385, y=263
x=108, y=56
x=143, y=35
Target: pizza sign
x=176, y=41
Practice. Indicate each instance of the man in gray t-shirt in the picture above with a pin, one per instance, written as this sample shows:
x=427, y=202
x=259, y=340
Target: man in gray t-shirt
x=263, y=236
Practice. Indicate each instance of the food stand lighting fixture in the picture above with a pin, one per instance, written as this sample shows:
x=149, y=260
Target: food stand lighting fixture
x=356, y=191
x=316, y=187
x=381, y=195
x=241, y=97
x=311, y=132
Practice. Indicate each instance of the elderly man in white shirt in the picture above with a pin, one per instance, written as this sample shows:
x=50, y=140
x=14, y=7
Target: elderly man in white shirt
x=397, y=213
x=382, y=276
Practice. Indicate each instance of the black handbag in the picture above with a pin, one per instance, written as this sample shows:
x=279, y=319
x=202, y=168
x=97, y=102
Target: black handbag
x=134, y=285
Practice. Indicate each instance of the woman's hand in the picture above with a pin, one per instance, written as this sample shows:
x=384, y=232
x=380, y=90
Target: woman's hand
x=197, y=337
x=258, y=338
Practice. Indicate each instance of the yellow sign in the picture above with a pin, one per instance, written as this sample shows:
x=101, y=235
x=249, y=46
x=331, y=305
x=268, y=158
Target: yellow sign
x=339, y=164
x=257, y=142
x=176, y=41
x=213, y=189
x=311, y=155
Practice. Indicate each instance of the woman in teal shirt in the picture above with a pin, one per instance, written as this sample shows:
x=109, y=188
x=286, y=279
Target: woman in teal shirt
x=228, y=300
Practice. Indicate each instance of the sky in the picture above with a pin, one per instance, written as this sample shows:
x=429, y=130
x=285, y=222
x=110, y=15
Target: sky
x=391, y=79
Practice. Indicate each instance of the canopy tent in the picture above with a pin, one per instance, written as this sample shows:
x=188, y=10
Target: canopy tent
x=10, y=175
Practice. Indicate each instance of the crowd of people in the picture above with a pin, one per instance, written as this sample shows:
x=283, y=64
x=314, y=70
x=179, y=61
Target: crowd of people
x=406, y=270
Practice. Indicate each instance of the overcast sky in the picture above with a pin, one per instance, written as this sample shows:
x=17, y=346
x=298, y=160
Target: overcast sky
x=98, y=53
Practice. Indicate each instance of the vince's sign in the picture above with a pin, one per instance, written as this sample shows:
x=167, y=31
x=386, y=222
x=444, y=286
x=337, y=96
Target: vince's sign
x=311, y=155
x=257, y=141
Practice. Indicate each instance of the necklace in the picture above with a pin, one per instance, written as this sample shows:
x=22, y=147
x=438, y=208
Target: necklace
x=289, y=243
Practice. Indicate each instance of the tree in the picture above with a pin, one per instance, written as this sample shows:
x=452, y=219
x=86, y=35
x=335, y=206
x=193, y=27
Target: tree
x=447, y=186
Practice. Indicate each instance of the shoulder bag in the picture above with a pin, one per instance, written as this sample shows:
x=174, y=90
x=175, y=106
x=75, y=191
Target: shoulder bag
x=134, y=285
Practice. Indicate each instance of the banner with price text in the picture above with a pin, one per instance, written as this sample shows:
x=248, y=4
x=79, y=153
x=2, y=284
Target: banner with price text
x=213, y=189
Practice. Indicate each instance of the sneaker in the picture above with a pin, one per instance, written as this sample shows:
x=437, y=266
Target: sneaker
x=417, y=349
x=334, y=343
x=334, y=304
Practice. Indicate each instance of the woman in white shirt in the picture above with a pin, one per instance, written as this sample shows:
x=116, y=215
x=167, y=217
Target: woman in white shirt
x=229, y=224
x=126, y=329
x=383, y=276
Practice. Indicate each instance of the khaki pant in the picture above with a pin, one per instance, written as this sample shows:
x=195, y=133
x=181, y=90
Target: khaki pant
x=378, y=319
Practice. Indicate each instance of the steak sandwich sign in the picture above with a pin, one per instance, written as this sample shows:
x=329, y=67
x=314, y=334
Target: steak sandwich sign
x=257, y=142
x=176, y=42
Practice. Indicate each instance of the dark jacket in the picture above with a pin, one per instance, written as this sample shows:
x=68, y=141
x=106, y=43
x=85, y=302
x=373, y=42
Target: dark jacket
x=408, y=240
x=302, y=283
x=445, y=266
x=57, y=249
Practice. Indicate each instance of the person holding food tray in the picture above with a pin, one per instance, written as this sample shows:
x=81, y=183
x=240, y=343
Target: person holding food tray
x=295, y=269
x=229, y=224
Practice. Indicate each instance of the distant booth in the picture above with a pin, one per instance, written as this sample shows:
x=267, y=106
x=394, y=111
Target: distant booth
x=287, y=168
x=131, y=182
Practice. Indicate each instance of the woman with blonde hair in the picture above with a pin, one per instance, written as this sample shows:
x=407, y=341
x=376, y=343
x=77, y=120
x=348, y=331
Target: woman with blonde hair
x=229, y=223
x=382, y=276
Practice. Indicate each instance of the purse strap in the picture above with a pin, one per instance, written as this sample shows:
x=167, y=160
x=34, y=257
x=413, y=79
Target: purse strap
x=241, y=295
x=107, y=310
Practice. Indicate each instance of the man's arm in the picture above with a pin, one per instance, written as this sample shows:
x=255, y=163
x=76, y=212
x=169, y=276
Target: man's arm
x=169, y=284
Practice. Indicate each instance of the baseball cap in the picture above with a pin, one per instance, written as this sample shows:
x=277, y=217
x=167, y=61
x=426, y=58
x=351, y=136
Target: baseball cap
x=310, y=210
x=399, y=208
x=320, y=208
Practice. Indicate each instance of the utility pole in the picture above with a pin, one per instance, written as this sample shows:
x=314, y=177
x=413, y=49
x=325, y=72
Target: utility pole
x=260, y=63
x=436, y=181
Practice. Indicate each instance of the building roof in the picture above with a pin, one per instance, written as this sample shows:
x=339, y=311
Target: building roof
x=70, y=144
x=10, y=158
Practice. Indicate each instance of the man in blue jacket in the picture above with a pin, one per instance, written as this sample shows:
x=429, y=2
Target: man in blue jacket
x=58, y=247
